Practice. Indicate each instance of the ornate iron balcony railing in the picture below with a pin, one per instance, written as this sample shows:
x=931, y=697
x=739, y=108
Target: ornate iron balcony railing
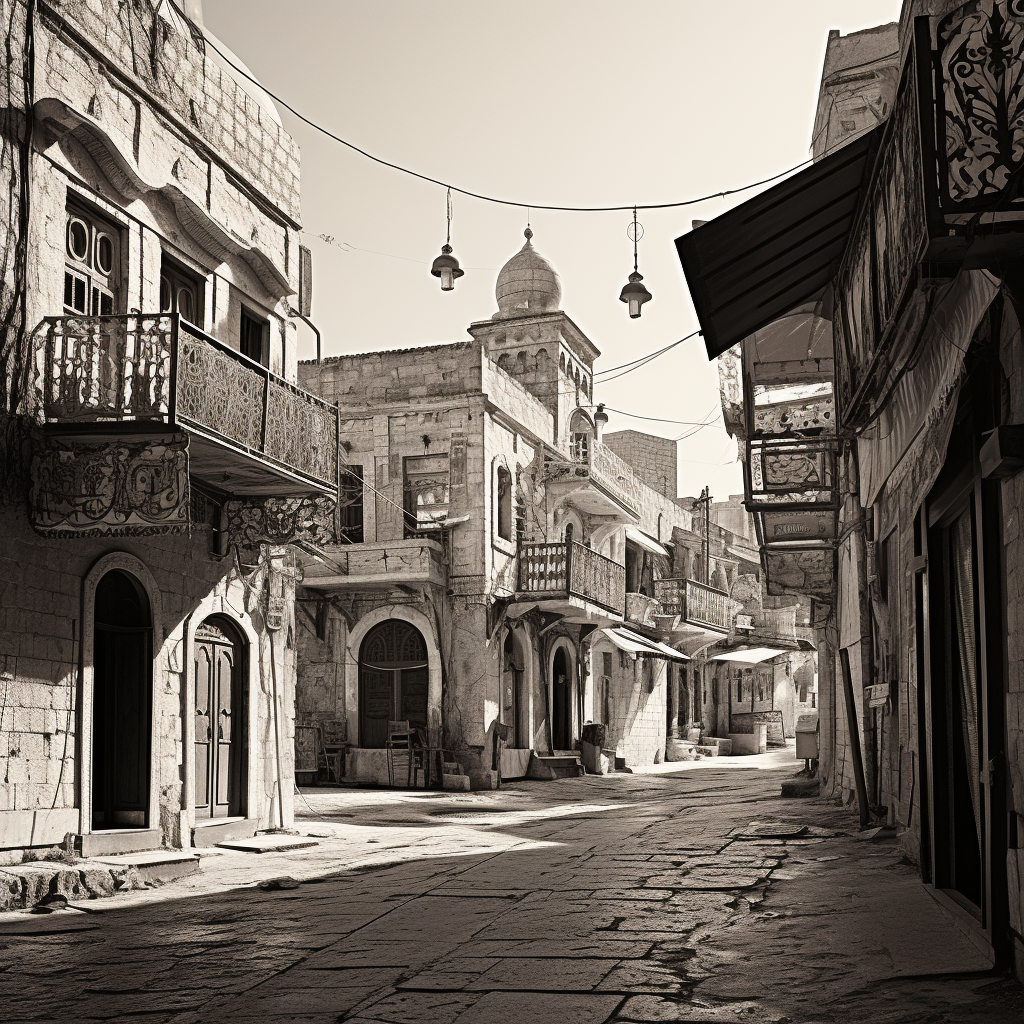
x=696, y=603
x=572, y=570
x=160, y=369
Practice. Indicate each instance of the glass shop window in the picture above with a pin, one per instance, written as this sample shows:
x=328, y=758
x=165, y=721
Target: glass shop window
x=254, y=337
x=92, y=264
x=181, y=291
x=426, y=493
x=350, y=505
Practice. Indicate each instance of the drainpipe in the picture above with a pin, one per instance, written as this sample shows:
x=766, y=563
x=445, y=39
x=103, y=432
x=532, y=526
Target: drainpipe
x=312, y=326
x=277, y=731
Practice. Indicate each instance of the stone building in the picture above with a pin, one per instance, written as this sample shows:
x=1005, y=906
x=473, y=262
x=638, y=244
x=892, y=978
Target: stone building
x=872, y=368
x=653, y=458
x=538, y=583
x=155, y=451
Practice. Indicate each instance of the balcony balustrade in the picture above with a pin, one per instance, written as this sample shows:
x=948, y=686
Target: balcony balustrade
x=250, y=431
x=572, y=570
x=695, y=603
x=615, y=485
x=374, y=566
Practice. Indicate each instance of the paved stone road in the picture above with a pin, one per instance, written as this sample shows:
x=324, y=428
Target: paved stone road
x=621, y=899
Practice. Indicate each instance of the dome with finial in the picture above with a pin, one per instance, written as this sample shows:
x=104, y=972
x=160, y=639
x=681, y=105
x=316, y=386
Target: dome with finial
x=527, y=284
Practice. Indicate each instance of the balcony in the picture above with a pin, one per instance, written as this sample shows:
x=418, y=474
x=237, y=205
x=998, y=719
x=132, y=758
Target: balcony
x=642, y=609
x=570, y=574
x=251, y=433
x=377, y=566
x=600, y=482
x=696, y=604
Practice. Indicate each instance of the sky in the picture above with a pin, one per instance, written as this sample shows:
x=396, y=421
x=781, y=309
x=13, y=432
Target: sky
x=555, y=102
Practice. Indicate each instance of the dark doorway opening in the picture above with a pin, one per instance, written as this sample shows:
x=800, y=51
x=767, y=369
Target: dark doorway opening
x=561, y=702
x=121, y=703
x=220, y=742
x=512, y=698
x=393, y=680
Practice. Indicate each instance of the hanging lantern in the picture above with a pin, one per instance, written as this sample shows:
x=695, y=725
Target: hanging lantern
x=446, y=266
x=634, y=292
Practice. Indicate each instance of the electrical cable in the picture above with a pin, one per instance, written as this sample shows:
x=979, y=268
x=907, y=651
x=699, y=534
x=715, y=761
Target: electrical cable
x=495, y=199
x=643, y=359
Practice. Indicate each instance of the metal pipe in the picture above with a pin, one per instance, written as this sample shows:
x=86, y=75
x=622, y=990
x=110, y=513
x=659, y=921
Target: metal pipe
x=312, y=326
x=853, y=730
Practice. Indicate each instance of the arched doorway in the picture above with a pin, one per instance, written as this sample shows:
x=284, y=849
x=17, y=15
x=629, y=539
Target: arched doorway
x=561, y=701
x=393, y=680
x=513, y=698
x=121, y=703
x=220, y=717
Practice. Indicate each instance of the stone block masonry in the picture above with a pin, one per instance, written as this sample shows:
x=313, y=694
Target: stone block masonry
x=652, y=458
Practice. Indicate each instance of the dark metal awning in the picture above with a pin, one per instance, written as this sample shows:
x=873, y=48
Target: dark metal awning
x=782, y=248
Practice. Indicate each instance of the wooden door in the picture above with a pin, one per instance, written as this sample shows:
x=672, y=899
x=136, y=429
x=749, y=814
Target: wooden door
x=376, y=703
x=219, y=728
x=394, y=680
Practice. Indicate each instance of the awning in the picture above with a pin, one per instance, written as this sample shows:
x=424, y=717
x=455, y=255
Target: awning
x=776, y=251
x=750, y=655
x=634, y=643
x=641, y=539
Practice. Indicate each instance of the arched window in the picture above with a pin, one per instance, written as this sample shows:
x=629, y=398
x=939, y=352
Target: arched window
x=581, y=435
x=393, y=680
x=504, y=501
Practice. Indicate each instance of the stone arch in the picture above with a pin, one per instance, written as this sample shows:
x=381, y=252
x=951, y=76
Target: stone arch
x=129, y=564
x=562, y=721
x=219, y=606
x=354, y=642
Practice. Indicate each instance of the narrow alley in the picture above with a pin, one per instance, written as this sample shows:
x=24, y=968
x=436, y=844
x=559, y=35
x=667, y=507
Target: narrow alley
x=685, y=893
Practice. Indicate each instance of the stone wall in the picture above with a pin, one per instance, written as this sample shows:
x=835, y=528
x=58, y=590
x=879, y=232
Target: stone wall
x=42, y=607
x=653, y=458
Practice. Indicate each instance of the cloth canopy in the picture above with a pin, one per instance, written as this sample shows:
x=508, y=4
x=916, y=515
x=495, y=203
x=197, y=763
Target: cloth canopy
x=750, y=655
x=641, y=539
x=634, y=643
x=776, y=251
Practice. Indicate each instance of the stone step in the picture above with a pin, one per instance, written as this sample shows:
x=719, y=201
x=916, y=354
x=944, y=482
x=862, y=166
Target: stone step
x=112, y=841
x=457, y=783
x=155, y=865
x=213, y=831
x=270, y=843
x=560, y=765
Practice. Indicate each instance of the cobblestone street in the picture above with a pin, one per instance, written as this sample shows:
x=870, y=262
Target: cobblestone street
x=693, y=895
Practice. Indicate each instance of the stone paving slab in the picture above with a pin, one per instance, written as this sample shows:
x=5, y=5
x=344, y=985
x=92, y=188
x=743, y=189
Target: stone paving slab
x=557, y=918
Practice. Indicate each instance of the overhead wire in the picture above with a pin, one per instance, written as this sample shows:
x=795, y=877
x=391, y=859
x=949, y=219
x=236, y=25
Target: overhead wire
x=497, y=199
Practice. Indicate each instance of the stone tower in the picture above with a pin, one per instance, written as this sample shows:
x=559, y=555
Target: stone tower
x=532, y=340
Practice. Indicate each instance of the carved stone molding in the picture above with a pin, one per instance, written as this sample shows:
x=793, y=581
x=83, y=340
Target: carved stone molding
x=280, y=520
x=108, y=487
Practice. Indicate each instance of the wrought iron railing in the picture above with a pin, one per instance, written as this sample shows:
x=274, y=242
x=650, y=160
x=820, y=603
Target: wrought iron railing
x=573, y=570
x=696, y=603
x=160, y=368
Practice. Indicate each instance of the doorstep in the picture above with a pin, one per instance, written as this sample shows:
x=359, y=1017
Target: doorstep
x=155, y=865
x=112, y=841
x=210, y=832
x=268, y=843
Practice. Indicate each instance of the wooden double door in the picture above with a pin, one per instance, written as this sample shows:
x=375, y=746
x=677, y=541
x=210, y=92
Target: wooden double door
x=219, y=722
x=394, y=680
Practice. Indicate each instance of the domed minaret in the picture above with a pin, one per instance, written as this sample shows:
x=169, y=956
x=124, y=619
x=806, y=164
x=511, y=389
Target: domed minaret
x=531, y=339
x=527, y=284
